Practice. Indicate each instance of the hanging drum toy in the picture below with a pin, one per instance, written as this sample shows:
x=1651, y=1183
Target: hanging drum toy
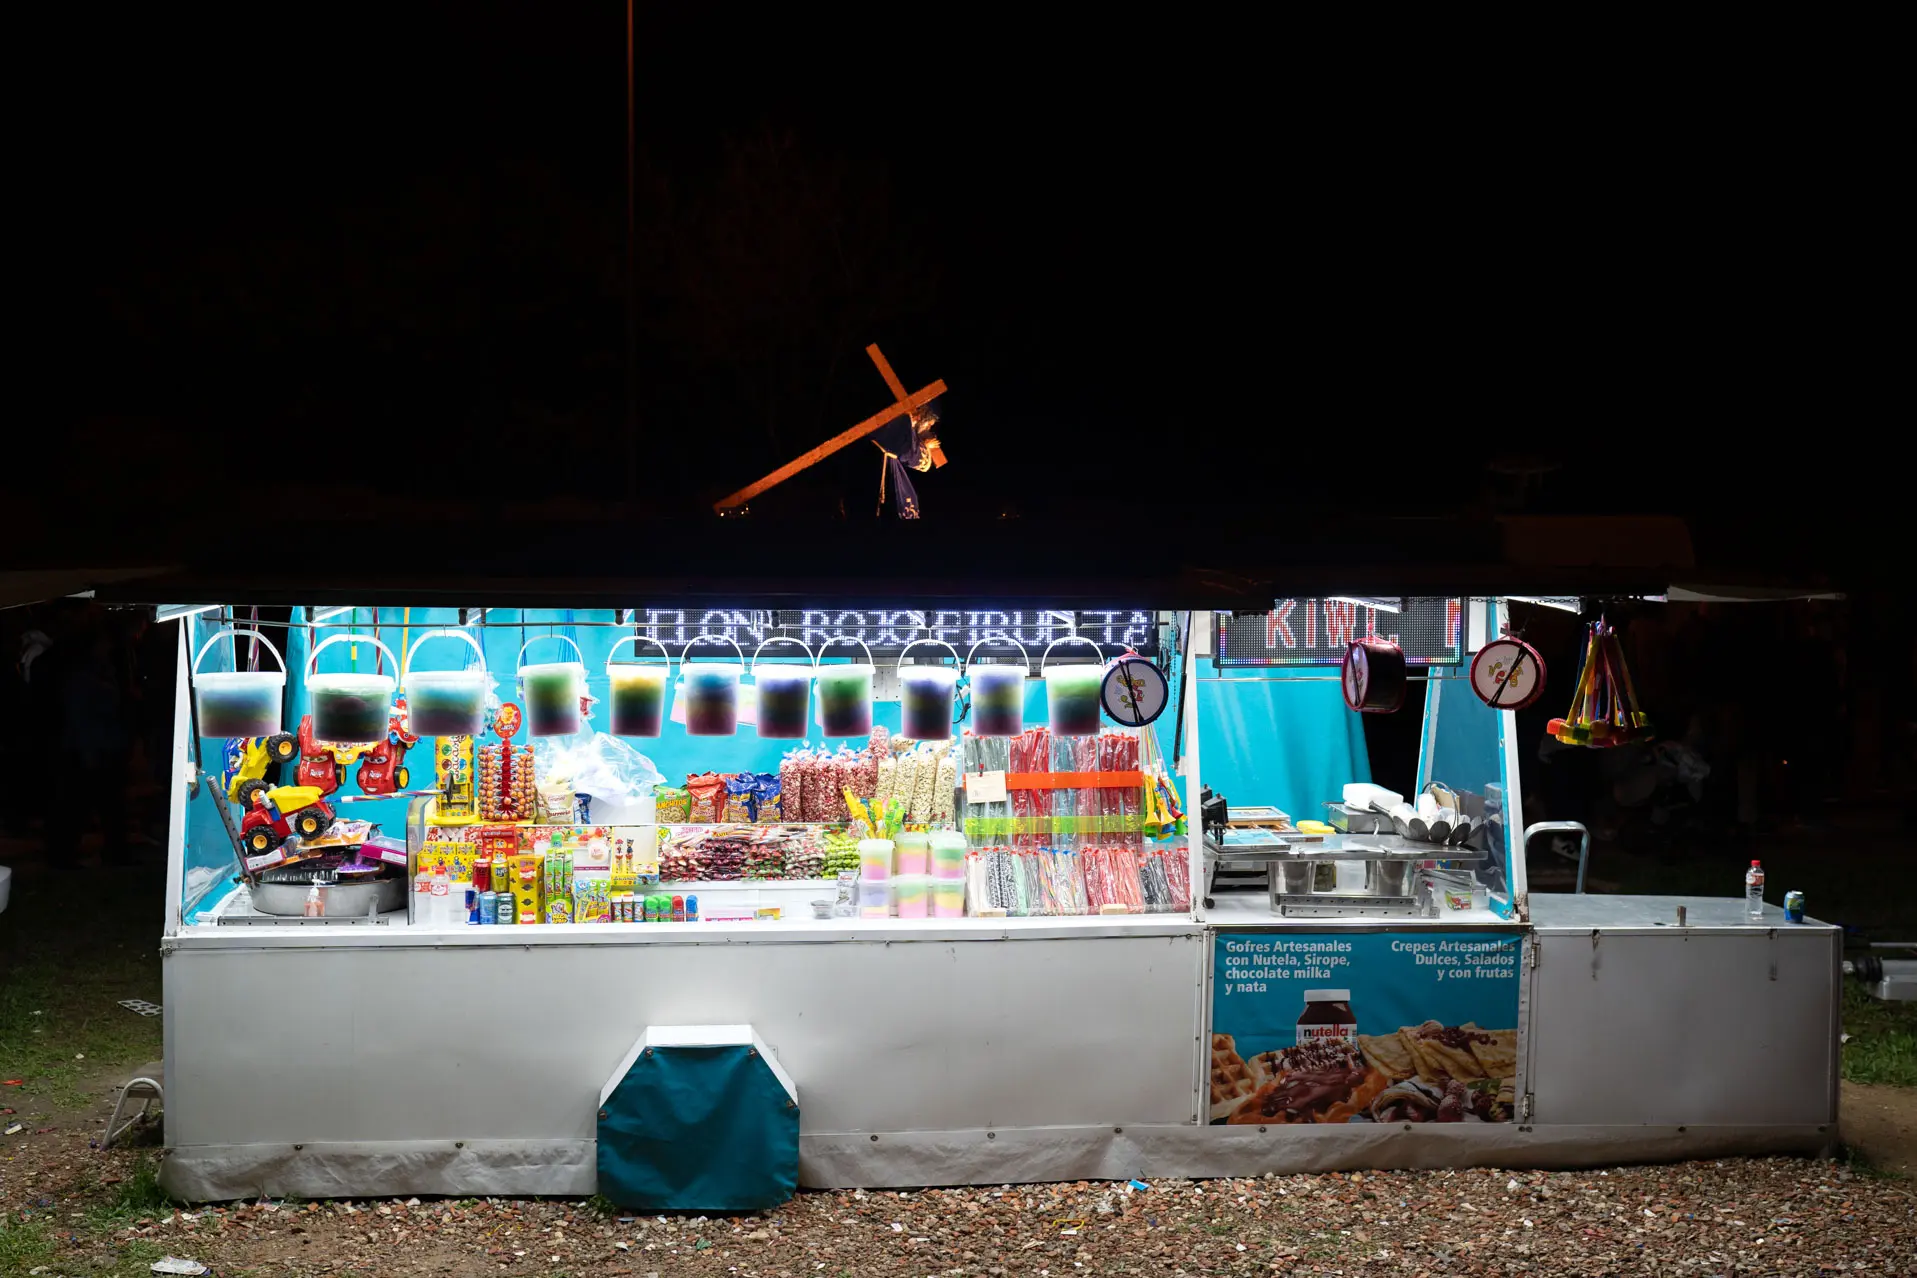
x=1374, y=676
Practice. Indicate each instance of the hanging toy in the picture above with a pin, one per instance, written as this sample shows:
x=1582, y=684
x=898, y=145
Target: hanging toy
x=1507, y=674
x=1604, y=709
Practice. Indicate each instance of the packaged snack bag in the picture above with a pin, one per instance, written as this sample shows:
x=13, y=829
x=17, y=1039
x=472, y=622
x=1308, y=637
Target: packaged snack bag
x=708, y=791
x=742, y=792
x=771, y=798
x=672, y=805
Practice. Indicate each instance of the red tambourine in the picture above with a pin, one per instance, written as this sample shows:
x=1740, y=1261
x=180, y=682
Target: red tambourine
x=1374, y=676
x=1507, y=674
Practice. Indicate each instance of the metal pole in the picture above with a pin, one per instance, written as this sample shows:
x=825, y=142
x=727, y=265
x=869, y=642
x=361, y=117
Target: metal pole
x=632, y=301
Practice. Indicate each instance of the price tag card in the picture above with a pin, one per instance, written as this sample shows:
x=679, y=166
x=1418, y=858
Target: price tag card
x=985, y=787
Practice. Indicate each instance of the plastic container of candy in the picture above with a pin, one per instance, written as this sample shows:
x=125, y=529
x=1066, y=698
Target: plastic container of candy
x=638, y=691
x=875, y=859
x=711, y=692
x=351, y=708
x=446, y=703
x=948, y=898
x=925, y=695
x=552, y=690
x=843, y=705
x=784, y=693
x=912, y=853
x=912, y=895
x=1071, y=693
x=238, y=703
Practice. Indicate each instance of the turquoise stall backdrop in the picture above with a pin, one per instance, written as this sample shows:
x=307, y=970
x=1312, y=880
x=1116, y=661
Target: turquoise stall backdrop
x=1290, y=743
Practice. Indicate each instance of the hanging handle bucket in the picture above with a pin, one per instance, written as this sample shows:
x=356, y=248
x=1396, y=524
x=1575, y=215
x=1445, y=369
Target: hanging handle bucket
x=446, y=703
x=552, y=690
x=238, y=703
x=843, y=706
x=998, y=694
x=925, y=695
x=711, y=693
x=638, y=690
x=1072, y=692
x=783, y=693
x=350, y=707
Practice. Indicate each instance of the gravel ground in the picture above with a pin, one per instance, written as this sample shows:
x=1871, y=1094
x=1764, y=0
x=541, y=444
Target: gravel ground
x=1761, y=1216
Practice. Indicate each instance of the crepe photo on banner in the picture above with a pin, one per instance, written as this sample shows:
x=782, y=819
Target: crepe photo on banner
x=1370, y=1027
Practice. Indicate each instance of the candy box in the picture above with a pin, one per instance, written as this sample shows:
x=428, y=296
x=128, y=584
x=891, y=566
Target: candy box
x=526, y=871
x=559, y=909
x=591, y=896
x=449, y=849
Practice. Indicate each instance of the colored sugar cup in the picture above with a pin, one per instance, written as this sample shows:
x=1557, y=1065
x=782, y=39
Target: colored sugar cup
x=238, y=703
x=912, y=853
x=352, y=707
x=638, y=699
x=552, y=690
x=998, y=701
x=912, y=896
x=925, y=702
x=1071, y=699
x=948, y=854
x=875, y=859
x=948, y=898
x=785, y=700
x=447, y=703
x=845, y=700
x=712, y=699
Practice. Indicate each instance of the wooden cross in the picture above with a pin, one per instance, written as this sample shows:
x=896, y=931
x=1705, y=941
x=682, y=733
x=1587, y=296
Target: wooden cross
x=902, y=404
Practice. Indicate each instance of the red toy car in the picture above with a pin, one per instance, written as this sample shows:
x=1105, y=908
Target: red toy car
x=382, y=769
x=281, y=812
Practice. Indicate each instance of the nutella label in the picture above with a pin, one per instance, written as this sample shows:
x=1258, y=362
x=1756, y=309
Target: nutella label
x=1334, y=1032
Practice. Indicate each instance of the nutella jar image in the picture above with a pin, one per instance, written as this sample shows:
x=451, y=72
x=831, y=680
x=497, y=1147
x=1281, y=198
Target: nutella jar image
x=1327, y=1018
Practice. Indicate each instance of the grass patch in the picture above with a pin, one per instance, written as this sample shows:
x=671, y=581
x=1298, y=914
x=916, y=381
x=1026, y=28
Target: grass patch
x=60, y=1023
x=23, y=1244
x=1883, y=1039
x=138, y=1195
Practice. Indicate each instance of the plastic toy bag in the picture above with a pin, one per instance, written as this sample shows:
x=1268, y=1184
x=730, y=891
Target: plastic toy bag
x=598, y=764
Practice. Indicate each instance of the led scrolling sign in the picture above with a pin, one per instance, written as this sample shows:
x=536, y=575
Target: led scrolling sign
x=1315, y=632
x=887, y=630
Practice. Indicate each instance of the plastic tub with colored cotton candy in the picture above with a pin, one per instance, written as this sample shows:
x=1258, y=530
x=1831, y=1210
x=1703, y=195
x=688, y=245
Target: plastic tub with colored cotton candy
x=238, y=703
x=911, y=895
x=948, y=854
x=638, y=691
x=842, y=704
x=948, y=898
x=912, y=853
x=552, y=691
x=875, y=859
x=446, y=703
x=998, y=693
x=875, y=899
x=351, y=708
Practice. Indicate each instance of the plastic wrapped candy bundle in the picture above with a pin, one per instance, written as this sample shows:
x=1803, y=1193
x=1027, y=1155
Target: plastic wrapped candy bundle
x=792, y=785
x=679, y=859
x=722, y=859
x=885, y=787
x=1061, y=884
x=765, y=857
x=1111, y=879
x=945, y=781
x=862, y=774
x=805, y=855
x=841, y=852
x=820, y=802
x=925, y=772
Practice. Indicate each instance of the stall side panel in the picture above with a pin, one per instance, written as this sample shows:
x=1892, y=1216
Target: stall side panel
x=385, y=1044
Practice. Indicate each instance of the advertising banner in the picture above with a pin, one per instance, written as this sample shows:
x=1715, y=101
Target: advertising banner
x=1364, y=1027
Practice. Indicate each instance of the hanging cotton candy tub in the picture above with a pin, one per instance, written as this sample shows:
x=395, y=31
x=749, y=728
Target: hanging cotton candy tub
x=446, y=703
x=350, y=708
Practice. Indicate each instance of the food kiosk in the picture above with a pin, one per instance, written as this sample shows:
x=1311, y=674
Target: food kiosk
x=1065, y=963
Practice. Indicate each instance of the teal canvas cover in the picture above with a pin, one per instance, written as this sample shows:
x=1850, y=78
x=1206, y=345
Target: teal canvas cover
x=699, y=1129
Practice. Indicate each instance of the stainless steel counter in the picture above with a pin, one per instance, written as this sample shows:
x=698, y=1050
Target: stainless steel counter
x=1569, y=912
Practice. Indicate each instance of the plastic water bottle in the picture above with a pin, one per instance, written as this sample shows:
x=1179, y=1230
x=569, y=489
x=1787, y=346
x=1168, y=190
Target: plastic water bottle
x=1754, y=891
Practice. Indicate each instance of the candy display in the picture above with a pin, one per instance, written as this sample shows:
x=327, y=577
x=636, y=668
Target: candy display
x=785, y=700
x=552, y=693
x=948, y=898
x=875, y=859
x=238, y=703
x=840, y=852
x=911, y=895
x=351, y=708
x=638, y=699
x=1071, y=699
x=506, y=789
x=845, y=700
x=446, y=703
x=947, y=849
x=711, y=694
x=998, y=700
x=925, y=702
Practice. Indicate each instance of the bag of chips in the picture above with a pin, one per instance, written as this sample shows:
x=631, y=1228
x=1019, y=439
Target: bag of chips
x=708, y=791
x=771, y=798
x=672, y=805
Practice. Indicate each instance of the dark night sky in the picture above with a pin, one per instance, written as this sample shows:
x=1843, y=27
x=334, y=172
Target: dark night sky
x=1324, y=261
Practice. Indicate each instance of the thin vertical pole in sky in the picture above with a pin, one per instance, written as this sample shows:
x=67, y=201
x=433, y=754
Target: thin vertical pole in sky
x=632, y=301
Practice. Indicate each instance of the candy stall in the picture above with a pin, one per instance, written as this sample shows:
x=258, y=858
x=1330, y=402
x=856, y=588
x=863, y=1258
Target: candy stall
x=446, y=882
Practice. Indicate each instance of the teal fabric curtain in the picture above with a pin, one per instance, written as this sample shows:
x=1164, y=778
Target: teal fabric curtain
x=699, y=1129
